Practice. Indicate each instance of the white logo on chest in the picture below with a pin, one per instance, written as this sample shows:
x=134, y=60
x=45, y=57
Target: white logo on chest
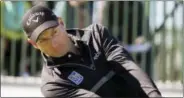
x=76, y=77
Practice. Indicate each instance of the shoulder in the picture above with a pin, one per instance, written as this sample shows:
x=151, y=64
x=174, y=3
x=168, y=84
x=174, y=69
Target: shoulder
x=94, y=27
x=97, y=30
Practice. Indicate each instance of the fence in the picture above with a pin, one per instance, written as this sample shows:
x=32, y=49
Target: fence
x=151, y=31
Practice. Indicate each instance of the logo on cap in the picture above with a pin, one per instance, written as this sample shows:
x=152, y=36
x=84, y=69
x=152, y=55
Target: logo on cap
x=32, y=16
x=36, y=20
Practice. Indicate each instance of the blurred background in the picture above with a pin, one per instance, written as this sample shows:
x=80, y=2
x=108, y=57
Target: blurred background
x=152, y=31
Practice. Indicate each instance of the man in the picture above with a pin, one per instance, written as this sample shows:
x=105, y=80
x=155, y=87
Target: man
x=85, y=62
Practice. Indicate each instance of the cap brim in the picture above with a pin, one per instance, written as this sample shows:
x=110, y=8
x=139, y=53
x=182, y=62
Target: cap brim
x=41, y=28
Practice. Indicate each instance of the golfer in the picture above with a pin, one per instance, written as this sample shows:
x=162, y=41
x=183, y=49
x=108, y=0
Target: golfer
x=87, y=62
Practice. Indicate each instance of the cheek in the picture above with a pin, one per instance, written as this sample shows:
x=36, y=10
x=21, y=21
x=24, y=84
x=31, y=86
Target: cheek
x=60, y=43
x=46, y=47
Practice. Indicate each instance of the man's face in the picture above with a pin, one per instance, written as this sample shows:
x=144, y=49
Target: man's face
x=54, y=41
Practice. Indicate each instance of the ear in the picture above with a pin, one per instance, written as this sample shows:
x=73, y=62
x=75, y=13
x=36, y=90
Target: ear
x=32, y=43
x=60, y=20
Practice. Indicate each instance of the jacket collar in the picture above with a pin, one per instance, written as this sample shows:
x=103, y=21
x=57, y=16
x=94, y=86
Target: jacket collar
x=80, y=44
x=68, y=57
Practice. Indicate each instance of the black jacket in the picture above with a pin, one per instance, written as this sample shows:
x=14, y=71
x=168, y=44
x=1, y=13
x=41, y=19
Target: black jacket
x=103, y=68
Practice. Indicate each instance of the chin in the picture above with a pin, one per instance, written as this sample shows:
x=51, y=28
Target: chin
x=61, y=54
x=57, y=56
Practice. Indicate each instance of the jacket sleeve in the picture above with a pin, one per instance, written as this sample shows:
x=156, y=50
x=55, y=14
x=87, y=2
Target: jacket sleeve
x=55, y=87
x=114, y=51
x=55, y=90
